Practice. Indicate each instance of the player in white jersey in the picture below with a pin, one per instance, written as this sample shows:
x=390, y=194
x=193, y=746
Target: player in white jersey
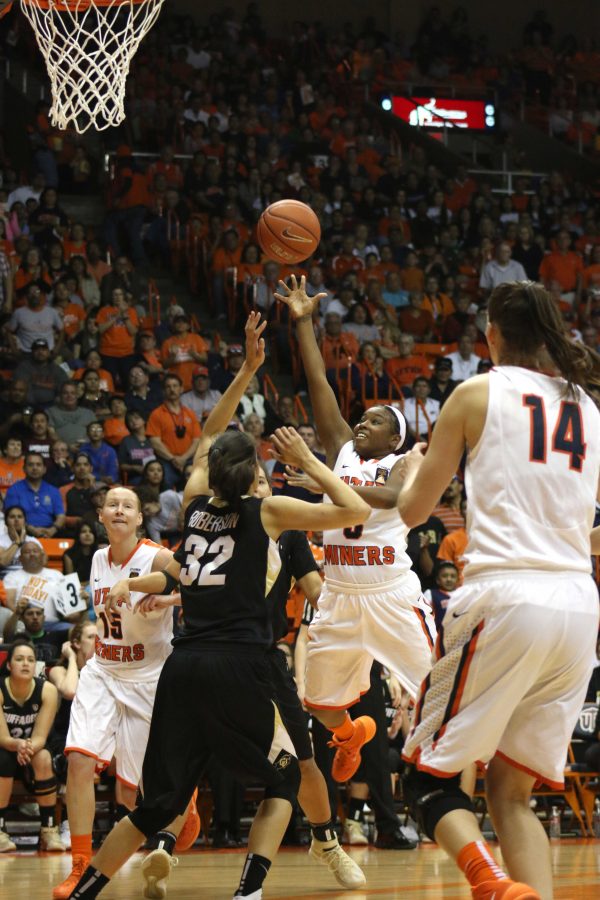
x=371, y=606
x=112, y=708
x=517, y=644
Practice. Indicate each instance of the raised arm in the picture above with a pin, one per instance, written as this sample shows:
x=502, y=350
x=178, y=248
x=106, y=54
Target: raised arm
x=333, y=429
x=281, y=513
x=426, y=477
x=220, y=415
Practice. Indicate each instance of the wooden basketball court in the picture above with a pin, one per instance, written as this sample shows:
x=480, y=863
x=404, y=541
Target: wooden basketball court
x=424, y=874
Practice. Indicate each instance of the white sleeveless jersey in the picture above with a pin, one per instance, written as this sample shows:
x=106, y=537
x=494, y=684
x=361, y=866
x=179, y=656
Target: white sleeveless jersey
x=373, y=553
x=132, y=647
x=532, y=479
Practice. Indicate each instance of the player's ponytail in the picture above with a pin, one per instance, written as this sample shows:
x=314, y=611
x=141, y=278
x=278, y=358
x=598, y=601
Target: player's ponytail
x=232, y=466
x=530, y=322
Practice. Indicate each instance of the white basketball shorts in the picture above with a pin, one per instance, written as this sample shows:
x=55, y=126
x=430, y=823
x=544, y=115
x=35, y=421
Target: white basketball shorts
x=514, y=657
x=354, y=626
x=111, y=717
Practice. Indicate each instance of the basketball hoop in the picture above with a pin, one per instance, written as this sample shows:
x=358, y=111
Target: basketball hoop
x=88, y=46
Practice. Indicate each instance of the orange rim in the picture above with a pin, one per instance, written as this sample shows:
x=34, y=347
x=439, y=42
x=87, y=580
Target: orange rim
x=81, y=5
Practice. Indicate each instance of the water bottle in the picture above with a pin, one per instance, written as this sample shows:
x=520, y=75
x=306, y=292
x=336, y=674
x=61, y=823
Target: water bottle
x=596, y=819
x=554, y=830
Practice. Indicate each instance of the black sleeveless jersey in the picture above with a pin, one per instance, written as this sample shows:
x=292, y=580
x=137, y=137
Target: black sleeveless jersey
x=21, y=719
x=228, y=565
x=296, y=562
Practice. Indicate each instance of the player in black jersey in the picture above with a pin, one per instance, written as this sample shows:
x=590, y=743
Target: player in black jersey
x=298, y=564
x=215, y=694
x=28, y=709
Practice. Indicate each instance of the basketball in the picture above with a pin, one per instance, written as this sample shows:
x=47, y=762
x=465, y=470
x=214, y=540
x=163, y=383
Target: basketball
x=288, y=231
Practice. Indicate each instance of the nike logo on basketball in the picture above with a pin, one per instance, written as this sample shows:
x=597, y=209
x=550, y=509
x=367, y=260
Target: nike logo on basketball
x=286, y=233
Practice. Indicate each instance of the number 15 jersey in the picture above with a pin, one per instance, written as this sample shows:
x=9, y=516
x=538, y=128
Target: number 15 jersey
x=129, y=646
x=532, y=479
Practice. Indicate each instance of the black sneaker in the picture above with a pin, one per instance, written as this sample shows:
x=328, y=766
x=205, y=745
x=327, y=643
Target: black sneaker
x=394, y=840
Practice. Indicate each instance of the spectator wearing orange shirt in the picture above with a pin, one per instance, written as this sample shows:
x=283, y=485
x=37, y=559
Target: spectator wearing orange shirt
x=412, y=277
x=118, y=325
x=166, y=166
x=11, y=464
x=97, y=266
x=128, y=207
x=115, y=428
x=183, y=352
x=408, y=365
x=415, y=320
x=439, y=305
x=72, y=314
x=448, y=509
x=591, y=275
x=226, y=256
x=346, y=261
x=75, y=243
x=337, y=345
x=174, y=431
x=93, y=360
x=452, y=549
x=563, y=266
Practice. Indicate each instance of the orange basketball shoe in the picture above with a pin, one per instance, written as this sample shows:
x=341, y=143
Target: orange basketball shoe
x=504, y=890
x=191, y=827
x=347, y=757
x=64, y=890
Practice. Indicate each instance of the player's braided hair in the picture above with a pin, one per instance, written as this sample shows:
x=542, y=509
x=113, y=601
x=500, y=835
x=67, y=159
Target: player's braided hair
x=529, y=321
x=232, y=466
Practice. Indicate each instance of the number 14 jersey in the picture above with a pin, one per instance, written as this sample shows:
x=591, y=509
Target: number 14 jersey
x=373, y=553
x=533, y=476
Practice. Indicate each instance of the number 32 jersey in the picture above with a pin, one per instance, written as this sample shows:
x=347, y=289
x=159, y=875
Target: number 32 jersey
x=131, y=647
x=228, y=567
x=373, y=553
x=533, y=476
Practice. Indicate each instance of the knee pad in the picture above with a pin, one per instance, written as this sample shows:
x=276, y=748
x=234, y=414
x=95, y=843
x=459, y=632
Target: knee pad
x=289, y=778
x=430, y=798
x=149, y=821
x=43, y=787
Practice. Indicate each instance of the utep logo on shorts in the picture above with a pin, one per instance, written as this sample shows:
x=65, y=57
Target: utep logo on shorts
x=133, y=573
x=381, y=475
x=587, y=720
x=282, y=761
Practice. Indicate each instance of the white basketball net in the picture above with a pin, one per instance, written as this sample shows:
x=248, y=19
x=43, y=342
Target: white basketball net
x=88, y=48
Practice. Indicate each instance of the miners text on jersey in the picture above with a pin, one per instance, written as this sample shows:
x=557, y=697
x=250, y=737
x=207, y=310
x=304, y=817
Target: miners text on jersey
x=376, y=551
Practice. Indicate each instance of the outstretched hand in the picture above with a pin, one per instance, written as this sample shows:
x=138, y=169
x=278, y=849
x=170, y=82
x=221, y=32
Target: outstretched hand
x=255, y=343
x=296, y=298
x=289, y=447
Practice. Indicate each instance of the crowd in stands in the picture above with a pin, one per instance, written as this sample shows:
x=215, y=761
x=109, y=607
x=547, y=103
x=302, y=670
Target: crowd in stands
x=98, y=389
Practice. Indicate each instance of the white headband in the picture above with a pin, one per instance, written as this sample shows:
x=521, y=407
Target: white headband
x=401, y=423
